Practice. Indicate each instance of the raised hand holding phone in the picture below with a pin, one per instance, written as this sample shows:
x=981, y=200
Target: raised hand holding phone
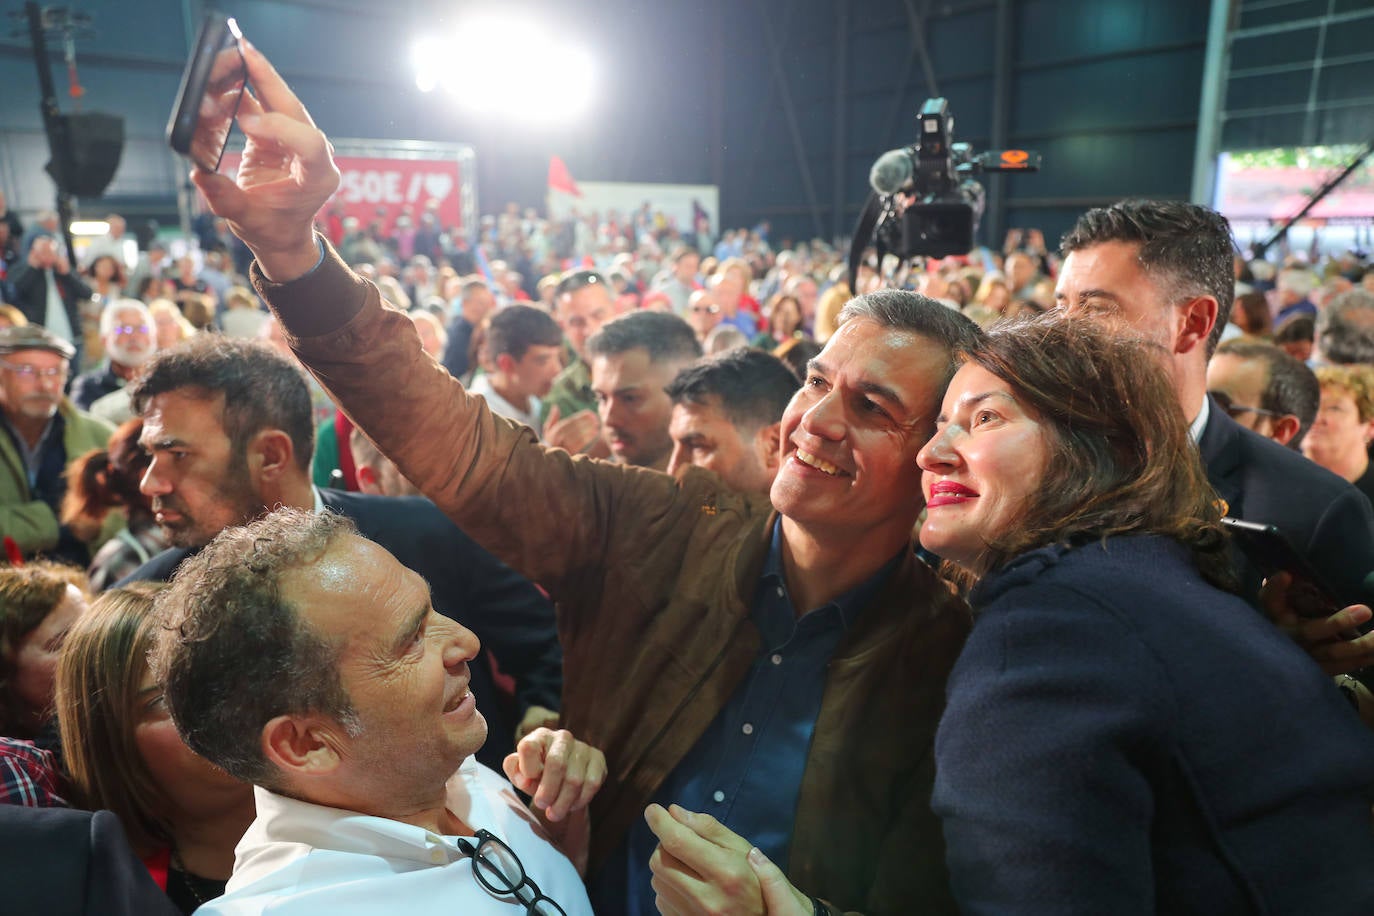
x=286, y=175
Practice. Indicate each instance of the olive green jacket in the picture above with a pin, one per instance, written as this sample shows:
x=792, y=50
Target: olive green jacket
x=31, y=522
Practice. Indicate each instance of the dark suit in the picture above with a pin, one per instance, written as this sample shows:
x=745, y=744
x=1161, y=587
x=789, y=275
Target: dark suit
x=468, y=584
x=1324, y=517
x=60, y=862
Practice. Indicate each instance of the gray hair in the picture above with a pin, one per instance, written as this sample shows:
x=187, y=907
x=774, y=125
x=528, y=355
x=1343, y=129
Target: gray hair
x=916, y=314
x=1345, y=328
x=108, y=313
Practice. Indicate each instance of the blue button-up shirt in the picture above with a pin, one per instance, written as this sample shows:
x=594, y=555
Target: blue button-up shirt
x=746, y=769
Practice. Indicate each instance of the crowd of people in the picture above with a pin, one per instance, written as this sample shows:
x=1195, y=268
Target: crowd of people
x=631, y=570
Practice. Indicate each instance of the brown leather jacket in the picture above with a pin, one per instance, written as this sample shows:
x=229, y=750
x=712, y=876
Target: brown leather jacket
x=653, y=578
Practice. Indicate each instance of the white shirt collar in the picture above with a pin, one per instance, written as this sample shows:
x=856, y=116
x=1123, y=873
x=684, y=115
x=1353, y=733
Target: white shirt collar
x=1200, y=421
x=319, y=500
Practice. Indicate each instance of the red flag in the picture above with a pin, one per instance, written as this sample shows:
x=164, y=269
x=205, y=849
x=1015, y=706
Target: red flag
x=12, y=552
x=560, y=179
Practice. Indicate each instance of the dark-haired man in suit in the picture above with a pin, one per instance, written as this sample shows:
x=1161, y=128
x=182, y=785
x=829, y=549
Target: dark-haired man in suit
x=1164, y=269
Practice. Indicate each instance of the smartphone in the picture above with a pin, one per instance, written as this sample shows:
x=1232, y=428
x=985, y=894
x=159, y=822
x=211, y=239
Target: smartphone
x=1268, y=549
x=211, y=88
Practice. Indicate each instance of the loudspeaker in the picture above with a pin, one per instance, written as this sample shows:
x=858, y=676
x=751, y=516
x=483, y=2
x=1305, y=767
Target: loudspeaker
x=95, y=142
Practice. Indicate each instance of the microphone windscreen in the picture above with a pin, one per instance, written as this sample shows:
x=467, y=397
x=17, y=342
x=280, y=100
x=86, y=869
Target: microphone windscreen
x=891, y=172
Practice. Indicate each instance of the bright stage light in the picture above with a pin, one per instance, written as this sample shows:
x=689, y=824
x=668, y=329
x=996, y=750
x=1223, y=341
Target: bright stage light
x=488, y=67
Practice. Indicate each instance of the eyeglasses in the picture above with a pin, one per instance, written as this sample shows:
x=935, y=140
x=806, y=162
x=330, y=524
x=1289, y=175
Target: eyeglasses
x=706, y=309
x=125, y=329
x=498, y=869
x=1234, y=410
x=29, y=373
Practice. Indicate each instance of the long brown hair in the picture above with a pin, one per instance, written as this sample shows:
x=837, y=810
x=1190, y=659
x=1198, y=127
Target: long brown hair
x=98, y=680
x=1121, y=460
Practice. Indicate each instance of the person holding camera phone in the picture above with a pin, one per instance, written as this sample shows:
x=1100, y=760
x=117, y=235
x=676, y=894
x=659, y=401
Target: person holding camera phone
x=801, y=652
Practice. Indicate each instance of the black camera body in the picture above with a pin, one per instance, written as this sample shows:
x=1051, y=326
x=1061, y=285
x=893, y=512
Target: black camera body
x=931, y=202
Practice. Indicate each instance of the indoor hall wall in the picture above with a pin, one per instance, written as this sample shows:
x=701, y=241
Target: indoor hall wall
x=1107, y=90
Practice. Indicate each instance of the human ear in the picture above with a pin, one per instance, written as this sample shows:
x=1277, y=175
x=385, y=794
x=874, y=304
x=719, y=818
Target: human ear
x=1285, y=428
x=768, y=445
x=271, y=454
x=1199, y=317
x=367, y=479
x=300, y=747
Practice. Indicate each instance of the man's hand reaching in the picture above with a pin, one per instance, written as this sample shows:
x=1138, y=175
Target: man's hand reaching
x=561, y=773
x=1333, y=642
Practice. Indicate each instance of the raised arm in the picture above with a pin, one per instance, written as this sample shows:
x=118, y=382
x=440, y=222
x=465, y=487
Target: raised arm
x=542, y=512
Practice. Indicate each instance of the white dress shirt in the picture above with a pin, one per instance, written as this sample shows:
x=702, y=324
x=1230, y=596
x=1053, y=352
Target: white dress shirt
x=300, y=859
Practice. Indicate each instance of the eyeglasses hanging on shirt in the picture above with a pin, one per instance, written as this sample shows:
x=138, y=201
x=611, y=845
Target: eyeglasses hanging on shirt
x=498, y=869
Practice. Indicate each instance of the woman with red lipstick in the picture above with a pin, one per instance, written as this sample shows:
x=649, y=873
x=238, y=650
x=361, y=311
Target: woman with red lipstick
x=1123, y=734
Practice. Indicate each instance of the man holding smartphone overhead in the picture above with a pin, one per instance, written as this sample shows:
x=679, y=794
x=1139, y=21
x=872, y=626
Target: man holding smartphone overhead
x=780, y=672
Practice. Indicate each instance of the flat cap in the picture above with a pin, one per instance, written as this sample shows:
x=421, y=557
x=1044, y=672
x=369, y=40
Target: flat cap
x=33, y=337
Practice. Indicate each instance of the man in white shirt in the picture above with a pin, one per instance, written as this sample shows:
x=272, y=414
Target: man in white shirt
x=523, y=347
x=305, y=659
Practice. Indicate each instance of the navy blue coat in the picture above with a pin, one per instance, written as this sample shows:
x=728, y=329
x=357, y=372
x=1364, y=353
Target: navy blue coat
x=467, y=584
x=1325, y=517
x=59, y=862
x=1121, y=737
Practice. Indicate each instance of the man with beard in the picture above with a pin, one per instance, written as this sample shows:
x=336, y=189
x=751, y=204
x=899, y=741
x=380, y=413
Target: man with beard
x=228, y=426
x=43, y=433
x=126, y=330
x=633, y=360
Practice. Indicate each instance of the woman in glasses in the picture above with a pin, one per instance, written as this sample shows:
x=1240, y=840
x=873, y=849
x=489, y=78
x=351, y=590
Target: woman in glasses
x=1340, y=436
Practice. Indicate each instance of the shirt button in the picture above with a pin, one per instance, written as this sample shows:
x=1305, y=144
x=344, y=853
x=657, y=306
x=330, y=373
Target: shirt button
x=777, y=659
x=781, y=593
x=718, y=795
x=747, y=729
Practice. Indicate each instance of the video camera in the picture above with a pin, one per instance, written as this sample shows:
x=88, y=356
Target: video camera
x=925, y=200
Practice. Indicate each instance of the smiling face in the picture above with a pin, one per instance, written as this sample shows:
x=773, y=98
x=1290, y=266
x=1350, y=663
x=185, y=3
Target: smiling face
x=404, y=668
x=851, y=433
x=982, y=467
x=1107, y=281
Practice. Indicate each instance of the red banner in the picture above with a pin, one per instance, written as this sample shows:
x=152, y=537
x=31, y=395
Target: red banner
x=374, y=188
